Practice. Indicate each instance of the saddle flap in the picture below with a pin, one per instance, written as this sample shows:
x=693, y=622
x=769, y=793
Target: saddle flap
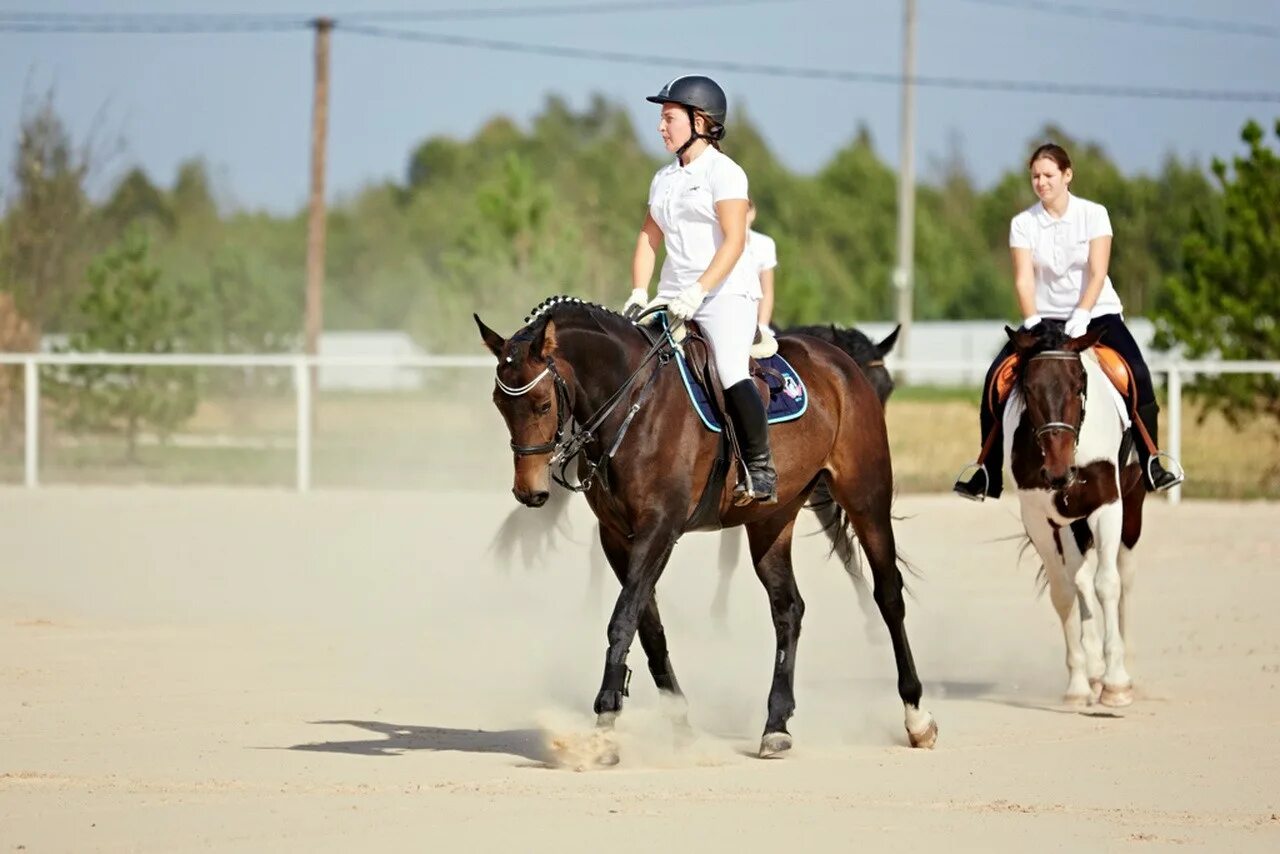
x=1112, y=363
x=1115, y=367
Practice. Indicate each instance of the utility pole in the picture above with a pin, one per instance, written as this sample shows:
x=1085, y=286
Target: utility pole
x=314, y=320
x=904, y=275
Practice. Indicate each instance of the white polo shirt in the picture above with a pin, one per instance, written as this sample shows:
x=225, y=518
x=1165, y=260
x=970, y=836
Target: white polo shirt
x=682, y=202
x=763, y=252
x=1060, y=255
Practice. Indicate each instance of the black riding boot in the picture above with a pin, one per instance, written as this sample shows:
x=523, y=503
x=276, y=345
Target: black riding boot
x=987, y=478
x=1156, y=477
x=750, y=423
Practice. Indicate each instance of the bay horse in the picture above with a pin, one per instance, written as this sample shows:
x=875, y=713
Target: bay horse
x=1080, y=489
x=581, y=380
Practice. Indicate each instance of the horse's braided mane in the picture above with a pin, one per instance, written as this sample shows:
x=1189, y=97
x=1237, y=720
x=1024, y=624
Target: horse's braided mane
x=547, y=305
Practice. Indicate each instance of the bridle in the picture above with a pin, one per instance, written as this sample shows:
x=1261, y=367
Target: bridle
x=562, y=408
x=568, y=444
x=1053, y=426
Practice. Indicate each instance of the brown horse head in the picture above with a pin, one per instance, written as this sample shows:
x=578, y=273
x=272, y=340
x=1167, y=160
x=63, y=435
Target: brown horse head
x=1052, y=380
x=532, y=396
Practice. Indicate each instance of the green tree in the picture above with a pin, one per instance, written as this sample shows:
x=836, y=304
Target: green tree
x=126, y=309
x=1225, y=301
x=45, y=233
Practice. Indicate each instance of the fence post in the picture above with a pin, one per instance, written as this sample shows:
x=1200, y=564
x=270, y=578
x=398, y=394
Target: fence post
x=1175, y=424
x=302, y=385
x=31, y=426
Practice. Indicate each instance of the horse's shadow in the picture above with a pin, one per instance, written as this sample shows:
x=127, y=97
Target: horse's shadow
x=396, y=739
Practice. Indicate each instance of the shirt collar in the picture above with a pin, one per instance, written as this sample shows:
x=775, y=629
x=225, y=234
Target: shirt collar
x=1068, y=215
x=701, y=162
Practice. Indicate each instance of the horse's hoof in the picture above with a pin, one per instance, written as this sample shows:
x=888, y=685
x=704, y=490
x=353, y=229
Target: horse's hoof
x=927, y=739
x=608, y=756
x=1116, y=696
x=774, y=743
x=1077, y=701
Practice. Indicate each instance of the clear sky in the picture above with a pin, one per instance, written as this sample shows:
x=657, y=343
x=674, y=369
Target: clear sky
x=243, y=100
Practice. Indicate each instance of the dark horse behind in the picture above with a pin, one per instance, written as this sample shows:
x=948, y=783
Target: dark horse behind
x=645, y=459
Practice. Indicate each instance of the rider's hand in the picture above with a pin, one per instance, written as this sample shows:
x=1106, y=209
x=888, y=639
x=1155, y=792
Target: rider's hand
x=1078, y=323
x=684, y=305
x=636, y=302
x=1031, y=322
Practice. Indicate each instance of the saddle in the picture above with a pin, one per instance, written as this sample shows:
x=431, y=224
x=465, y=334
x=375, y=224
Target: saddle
x=777, y=382
x=1110, y=360
x=1113, y=365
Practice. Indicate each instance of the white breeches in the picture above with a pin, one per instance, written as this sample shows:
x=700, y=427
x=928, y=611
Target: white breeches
x=730, y=321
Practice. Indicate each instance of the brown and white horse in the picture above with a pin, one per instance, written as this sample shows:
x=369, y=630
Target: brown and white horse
x=1081, y=493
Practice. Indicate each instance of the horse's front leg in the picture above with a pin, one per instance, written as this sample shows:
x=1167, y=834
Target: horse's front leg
x=645, y=561
x=653, y=637
x=1117, y=687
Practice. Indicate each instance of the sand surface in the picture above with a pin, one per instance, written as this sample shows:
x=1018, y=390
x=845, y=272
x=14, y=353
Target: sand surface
x=246, y=670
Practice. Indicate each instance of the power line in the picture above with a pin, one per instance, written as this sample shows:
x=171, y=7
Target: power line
x=154, y=25
x=1128, y=16
x=31, y=21
x=933, y=81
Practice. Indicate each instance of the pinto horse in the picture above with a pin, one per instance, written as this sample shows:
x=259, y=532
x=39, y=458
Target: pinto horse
x=579, y=377
x=1080, y=489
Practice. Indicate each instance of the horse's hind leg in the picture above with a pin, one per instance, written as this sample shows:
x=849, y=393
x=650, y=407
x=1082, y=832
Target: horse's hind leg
x=771, y=553
x=868, y=506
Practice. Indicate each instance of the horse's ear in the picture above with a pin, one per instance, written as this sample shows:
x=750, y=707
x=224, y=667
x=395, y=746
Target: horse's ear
x=548, y=339
x=1084, y=342
x=492, y=340
x=886, y=345
x=1022, y=339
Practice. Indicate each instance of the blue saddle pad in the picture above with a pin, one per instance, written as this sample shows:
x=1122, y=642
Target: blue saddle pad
x=788, y=397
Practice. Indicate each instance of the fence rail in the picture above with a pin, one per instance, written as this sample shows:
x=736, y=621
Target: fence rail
x=1174, y=372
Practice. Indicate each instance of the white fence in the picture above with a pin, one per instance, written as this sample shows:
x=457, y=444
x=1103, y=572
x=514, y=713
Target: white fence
x=1174, y=372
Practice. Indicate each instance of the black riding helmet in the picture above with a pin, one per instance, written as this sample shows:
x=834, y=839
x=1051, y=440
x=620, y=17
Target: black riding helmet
x=695, y=92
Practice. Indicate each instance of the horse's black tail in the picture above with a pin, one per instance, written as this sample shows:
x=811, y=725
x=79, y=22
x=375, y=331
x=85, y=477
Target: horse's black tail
x=839, y=530
x=533, y=532
x=844, y=539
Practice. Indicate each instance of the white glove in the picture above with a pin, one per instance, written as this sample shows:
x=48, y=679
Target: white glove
x=766, y=329
x=638, y=300
x=684, y=305
x=1031, y=322
x=1078, y=323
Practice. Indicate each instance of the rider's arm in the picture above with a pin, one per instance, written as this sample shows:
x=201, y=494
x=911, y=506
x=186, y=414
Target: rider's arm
x=1099, y=260
x=766, y=300
x=732, y=214
x=646, y=254
x=1024, y=281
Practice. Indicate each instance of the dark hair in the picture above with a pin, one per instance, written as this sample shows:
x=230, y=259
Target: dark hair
x=715, y=130
x=1053, y=152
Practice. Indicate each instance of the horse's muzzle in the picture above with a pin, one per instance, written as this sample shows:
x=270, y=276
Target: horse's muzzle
x=531, y=499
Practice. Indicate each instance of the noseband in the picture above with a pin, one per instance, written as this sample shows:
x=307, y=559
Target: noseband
x=1051, y=426
x=562, y=408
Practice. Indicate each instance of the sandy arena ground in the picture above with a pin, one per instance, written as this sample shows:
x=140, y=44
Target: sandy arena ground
x=241, y=670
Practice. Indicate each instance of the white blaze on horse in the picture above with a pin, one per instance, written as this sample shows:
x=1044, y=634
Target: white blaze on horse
x=1081, y=492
